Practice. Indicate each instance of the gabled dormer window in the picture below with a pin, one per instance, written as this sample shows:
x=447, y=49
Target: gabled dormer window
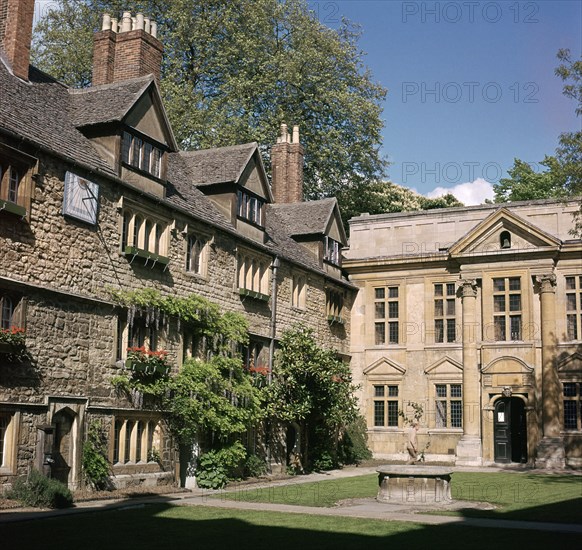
x=139, y=153
x=250, y=208
x=332, y=251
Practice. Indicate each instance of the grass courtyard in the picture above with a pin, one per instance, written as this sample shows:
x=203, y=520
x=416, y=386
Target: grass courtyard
x=550, y=498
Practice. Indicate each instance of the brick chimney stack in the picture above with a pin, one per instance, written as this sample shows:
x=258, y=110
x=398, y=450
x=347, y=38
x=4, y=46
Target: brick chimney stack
x=126, y=49
x=16, y=34
x=287, y=164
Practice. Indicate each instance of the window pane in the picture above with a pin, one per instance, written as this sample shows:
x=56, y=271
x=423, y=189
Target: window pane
x=13, y=185
x=450, y=307
x=455, y=390
x=441, y=414
x=456, y=414
x=438, y=308
x=380, y=334
x=498, y=285
x=393, y=292
x=379, y=293
x=570, y=420
x=570, y=283
x=515, y=302
x=380, y=310
x=393, y=332
x=378, y=391
x=572, y=328
x=498, y=303
x=393, y=310
x=514, y=283
x=438, y=290
x=451, y=330
x=392, y=391
x=126, y=147
x=441, y=390
x=571, y=302
x=392, y=413
x=570, y=389
x=450, y=289
x=515, y=327
x=438, y=331
x=499, y=324
x=378, y=413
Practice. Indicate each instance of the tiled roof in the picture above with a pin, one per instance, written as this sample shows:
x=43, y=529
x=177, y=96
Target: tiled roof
x=218, y=165
x=305, y=218
x=39, y=111
x=106, y=103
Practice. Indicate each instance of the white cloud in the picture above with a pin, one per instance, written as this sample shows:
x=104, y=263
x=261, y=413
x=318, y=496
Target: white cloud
x=472, y=192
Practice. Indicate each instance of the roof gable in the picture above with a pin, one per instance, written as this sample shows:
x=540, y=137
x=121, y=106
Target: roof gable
x=254, y=178
x=484, y=238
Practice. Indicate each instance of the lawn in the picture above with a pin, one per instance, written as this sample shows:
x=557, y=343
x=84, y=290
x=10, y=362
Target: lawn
x=521, y=496
x=165, y=526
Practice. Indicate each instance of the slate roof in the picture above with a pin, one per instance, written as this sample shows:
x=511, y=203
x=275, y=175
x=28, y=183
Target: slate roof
x=218, y=165
x=305, y=218
x=106, y=103
x=39, y=111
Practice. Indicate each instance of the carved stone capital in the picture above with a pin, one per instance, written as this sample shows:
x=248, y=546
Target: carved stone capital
x=468, y=288
x=546, y=283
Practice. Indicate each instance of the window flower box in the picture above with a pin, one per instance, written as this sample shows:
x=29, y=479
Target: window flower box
x=145, y=361
x=12, y=341
x=12, y=208
x=335, y=319
x=253, y=294
x=145, y=257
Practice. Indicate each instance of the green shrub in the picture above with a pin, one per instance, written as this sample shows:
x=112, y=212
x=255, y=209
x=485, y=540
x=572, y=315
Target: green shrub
x=95, y=463
x=324, y=461
x=216, y=467
x=353, y=447
x=41, y=492
x=255, y=466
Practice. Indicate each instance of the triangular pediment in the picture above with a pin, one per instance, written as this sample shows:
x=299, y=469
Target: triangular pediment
x=445, y=365
x=385, y=367
x=507, y=365
x=500, y=229
x=571, y=363
x=148, y=116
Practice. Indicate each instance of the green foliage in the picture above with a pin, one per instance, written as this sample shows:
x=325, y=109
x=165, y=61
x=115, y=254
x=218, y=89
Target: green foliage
x=414, y=413
x=216, y=467
x=323, y=461
x=233, y=71
x=255, y=466
x=95, y=463
x=312, y=387
x=354, y=443
x=41, y=492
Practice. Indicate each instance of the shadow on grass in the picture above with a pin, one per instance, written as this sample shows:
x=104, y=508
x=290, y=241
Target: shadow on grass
x=145, y=526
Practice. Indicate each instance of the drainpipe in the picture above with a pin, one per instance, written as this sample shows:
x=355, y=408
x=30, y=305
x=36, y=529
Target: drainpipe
x=274, y=268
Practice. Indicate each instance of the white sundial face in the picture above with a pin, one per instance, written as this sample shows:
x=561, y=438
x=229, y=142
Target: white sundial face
x=81, y=198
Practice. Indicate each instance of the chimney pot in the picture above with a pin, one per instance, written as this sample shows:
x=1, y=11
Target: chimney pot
x=295, y=134
x=126, y=22
x=154, y=29
x=146, y=24
x=140, y=21
x=106, y=22
x=114, y=25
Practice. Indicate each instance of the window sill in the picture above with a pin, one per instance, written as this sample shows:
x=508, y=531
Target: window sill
x=12, y=208
x=145, y=256
x=335, y=319
x=253, y=294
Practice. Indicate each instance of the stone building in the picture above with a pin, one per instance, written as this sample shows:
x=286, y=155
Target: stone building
x=95, y=195
x=475, y=314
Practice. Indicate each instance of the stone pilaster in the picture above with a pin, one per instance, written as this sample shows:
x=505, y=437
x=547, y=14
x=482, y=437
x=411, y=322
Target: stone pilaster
x=550, y=451
x=469, y=450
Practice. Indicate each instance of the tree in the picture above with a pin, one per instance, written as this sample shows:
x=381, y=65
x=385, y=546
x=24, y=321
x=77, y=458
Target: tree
x=234, y=70
x=524, y=183
x=312, y=388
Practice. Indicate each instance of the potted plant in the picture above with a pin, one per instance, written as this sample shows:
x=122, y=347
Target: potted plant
x=12, y=340
x=140, y=359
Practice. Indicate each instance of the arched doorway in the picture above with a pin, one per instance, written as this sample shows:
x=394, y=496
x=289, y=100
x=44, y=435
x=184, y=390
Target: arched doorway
x=510, y=430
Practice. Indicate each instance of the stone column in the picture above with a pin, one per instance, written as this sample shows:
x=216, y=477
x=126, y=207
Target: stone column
x=469, y=450
x=550, y=451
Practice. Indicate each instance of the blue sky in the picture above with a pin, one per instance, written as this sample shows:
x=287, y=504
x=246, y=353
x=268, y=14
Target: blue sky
x=471, y=85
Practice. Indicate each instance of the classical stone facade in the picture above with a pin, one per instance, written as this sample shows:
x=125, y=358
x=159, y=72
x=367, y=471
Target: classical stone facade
x=475, y=314
x=95, y=196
